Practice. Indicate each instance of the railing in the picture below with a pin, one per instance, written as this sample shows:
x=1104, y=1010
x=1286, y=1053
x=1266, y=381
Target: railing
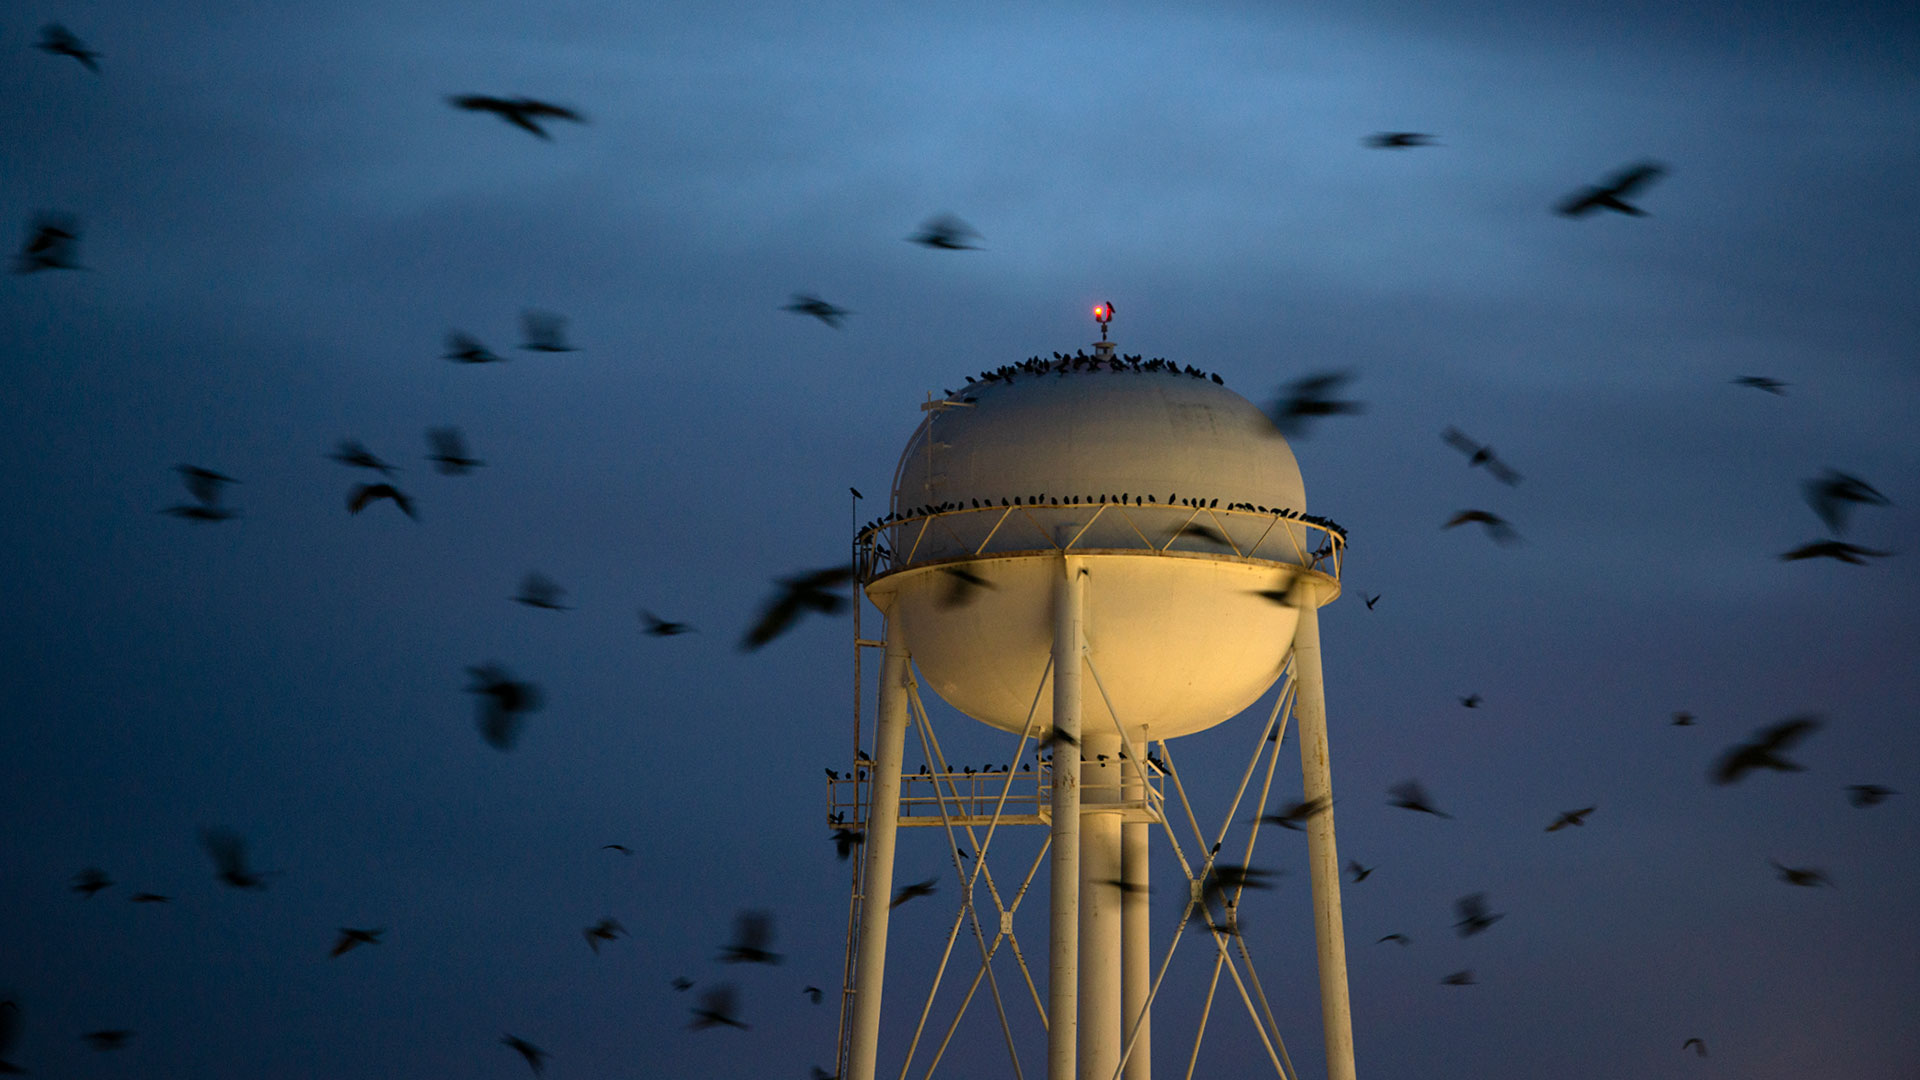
x=971, y=798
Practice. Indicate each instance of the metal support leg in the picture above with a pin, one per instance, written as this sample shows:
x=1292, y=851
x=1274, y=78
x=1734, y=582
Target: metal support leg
x=1063, y=975
x=1100, y=906
x=1310, y=710
x=883, y=822
x=1136, y=942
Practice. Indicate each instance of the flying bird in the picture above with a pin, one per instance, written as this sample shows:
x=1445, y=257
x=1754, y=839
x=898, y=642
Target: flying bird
x=1864, y=795
x=607, y=929
x=60, y=41
x=1479, y=455
x=752, y=933
x=536, y=1057
x=1613, y=194
x=106, y=1039
x=1683, y=719
x=228, y=850
x=1398, y=939
x=1804, y=876
x=962, y=586
x=1399, y=140
x=807, y=304
x=1371, y=600
x=1764, y=750
x=1762, y=382
x=545, y=332
x=51, y=240
x=1202, y=532
x=659, y=627
x=1698, y=1046
x=945, y=233
x=352, y=452
x=540, y=591
x=504, y=704
x=917, y=889
x=621, y=848
x=716, y=1009
x=351, y=939
x=365, y=495
x=1409, y=795
x=813, y=994
x=1833, y=549
x=150, y=898
x=9, y=1034
x=1834, y=495
x=1360, y=873
x=1474, y=916
x=1307, y=399
x=1292, y=816
x=1497, y=526
x=1458, y=978
x=1471, y=701
x=1224, y=876
x=799, y=594
x=467, y=349
x=845, y=840
x=1571, y=817
x=205, y=486
x=522, y=112
x=450, y=454
x=90, y=881
x=682, y=984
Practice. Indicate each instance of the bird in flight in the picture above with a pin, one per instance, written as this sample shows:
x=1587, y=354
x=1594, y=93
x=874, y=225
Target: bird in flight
x=504, y=704
x=467, y=349
x=659, y=627
x=1497, y=526
x=106, y=1039
x=1683, y=719
x=537, y=590
x=1481, y=455
x=450, y=454
x=917, y=889
x=1360, y=873
x=752, y=934
x=716, y=1009
x=351, y=452
x=536, y=1057
x=813, y=994
x=1399, y=140
x=845, y=840
x=351, y=939
x=1409, y=795
x=1865, y=795
x=205, y=486
x=682, y=984
x=545, y=332
x=1471, y=701
x=1698, y=1046
x=1292, y=816
x=90, y=881
x=807, y=304
x=1398, y=939
x=522, y=112
x=1834, y=495
x=945, y=233
x=1474, y=916
x=1307, y=399
x=150, y=898
x=1762, y=382
x=1613, y=194
x=1764, y=750
x=1224, y=876
x=51, y=240
x=1804, y=876
x=607, y=929
x=365, y=495
x=1371, y=600
x=963, y=586
x=60, y=41
x=621, y=848
x=1458, y=978
x=798, y=595
x=1851, y=554
x=9, y=1034
x=228, y=850
x=1571, y=817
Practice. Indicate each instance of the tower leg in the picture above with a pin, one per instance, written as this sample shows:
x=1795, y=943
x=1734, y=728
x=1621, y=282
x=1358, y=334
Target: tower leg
x=1100, y=906
x=1136, y=972
x=883, y=823
x=1316, y=771
x=1063, y=952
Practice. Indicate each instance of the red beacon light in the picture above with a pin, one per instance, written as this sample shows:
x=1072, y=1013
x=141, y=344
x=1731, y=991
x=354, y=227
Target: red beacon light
x=1103, y=314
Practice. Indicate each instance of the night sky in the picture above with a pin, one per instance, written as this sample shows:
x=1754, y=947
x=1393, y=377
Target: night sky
x=281, y=219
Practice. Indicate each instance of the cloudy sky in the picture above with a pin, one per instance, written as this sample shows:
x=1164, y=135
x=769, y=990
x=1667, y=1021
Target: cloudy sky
x=281, y=218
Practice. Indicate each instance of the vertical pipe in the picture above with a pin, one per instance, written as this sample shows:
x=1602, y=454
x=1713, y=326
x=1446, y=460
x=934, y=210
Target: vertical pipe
x=1063, y=959
x=1100, y=904
x=1136, y=942
x=1316, y=772
x=883, y=822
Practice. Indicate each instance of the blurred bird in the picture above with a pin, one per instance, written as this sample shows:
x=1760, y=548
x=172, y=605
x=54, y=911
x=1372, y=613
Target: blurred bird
x=1399, y=140
x=1458, y=978
x=536, y=1057
x=1613, y=194
x=545, y=332
x=1761, y=382
x=1497, y=526
x=1806, y=877
x=606, y=929
x=813, y=994
x=799, y=594
x=1571, y=817
x=1128, y=887
x=1764, y=751
x=351, y=939
x=467, y=349
x=946, y=233
x=540, y=591
x=822, y=1074
x=1864, y=795
x=365, y=495
x=1202, y=532
x=205, y=486
x=1371, y=600
x=351, y=452
x=659, y=627
x=1409, y=795
x=9, y=1034
x=1833, y=549
x=504, y=704
x=1287, y=595
x=1474, y=916
x=106, y=1039
x=1834, y=495
x=1399, y=939
x=621, y=848
x=90, y=881
x=752, y=933
x=1292, y=816
x=522, y=112
x=51, y=240
x=450, y=452
x=962, y=586
x=1306, y=399
x=807, y=304
x=150, y=898
x=1471, y=701
x=1224, y=876
x=917, y=889
x=716, y=1009
x=845, y=840
x=60, y=41
x=1698, y=1046
x=1480, y=455
x=228, y=850
x=1683, y=719
x=682, y=983
x=1360, y=873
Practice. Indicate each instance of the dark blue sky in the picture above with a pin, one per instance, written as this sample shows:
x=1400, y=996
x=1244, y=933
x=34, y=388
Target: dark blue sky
x=282, y=218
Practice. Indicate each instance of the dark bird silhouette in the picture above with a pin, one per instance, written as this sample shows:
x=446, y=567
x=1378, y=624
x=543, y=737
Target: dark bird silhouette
x=1128, y=887
x=1613, y=194
x=659, y=627
x=1479, y=455
x=945, y=233
x=807, y=304
x=228, y=850
x=1834, y=495
x=1399, y=140
x=1292, y=816
x=9, y=1034
x=150, y=898
x=1683, y=719
x=522, y=112
x=1571, y=817
x=1804, y=876
x=752, y=933
x=1764, y=750
x=917, y=889
x=90, y=881
x=351, y=939
x=1497, y=526
x=537, y=590
x=963, y=586
x=545, y=332
x=1409, y=795
x=1698, y=1046
x=504, y=704
x=1202, y=532
x=107, y=1039
x=536, y=1057
x=1225, y=876
x=1371, y=600
x=1471, y=701
x=799, y=594
x=1305, y=400
x=205, y=486
x=813, y=993
x=60, y=41
x=1399, y=939
x=1458, y=978
x=607, y=929
x=365, y=495
x=621, y=848
x=1474, y=916
x=682, y=983
x=845, y=840
x=1360, y=873
x=1864, y=795
x=351, y=452
x=52, y=240
x=1833, y=549
x=716, y=1009
x=467, y=349
x=450, y=452
x=1761, y=382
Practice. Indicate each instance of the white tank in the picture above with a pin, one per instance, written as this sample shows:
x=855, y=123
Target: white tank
x=1179, y=496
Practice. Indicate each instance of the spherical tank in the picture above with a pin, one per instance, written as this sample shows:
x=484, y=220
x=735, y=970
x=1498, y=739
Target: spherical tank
x=1178, y=498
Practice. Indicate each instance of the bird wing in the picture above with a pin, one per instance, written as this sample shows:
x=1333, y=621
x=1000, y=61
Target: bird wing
x=1627, y=181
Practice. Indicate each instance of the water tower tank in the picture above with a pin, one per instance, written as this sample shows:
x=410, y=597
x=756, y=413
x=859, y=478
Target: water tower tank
x=1177, y=495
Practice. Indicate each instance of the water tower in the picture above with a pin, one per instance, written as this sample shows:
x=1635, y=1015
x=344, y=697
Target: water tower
x=1095, y=553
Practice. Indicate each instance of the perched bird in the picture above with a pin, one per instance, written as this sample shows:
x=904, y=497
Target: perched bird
x=807, y=304
x=536, y=1057
x=60, y=41
x=1834, y=495
x=522, y=112
x=1474, y=916
x=450, y=452
x=1409, y=795
x=1360, y=873
x=1761, y=382
x=1613, y=194
x=1400, y=939
x=716, y=1009
x=813, y=993
x=909, y=892
x=205, y=486
x=799, y=594
x=1833, y=549
x=1458, y=978
x=1571, y=817
x=1480, y=455
x=1399, y=140
x=1306, y=399
x=1371, y=600
x=1764, y=751
x=945, y=233
x=962, y=586
x=1698, y=1046
x=1292, y=816
x=228, y=850
x=351, y=939
x=1864, y=795
x=51, y=240
x=752, y=933
x=537, y=590
x=90, y=881
x=467, y=349
x=1806, y=877
x=1497, y=526
x=365, y=495
x=106, y=1039
x=545, y=332
x=606, y=929
x=504, y=704
x=1683, y=719
x=845, y=840
x=150, y=898
x=351, y=452
x=1471, y=701
x=659, y=627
